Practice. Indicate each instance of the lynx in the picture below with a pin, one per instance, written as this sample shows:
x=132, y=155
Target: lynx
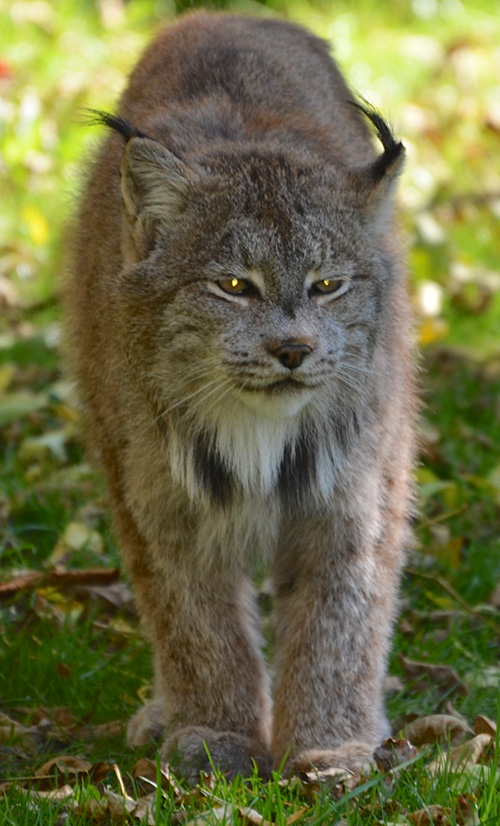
x=241, y=336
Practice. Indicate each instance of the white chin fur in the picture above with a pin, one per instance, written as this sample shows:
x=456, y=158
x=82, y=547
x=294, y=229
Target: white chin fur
x=282, y=406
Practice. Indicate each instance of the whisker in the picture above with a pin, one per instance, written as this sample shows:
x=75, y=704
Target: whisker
x=182, y=401
x=226, y=385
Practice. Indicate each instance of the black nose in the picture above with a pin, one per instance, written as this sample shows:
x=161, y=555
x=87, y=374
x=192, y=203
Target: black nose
x=291, y=354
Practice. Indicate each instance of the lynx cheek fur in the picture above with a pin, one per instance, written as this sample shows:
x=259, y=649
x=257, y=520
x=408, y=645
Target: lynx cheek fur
x=241, y=335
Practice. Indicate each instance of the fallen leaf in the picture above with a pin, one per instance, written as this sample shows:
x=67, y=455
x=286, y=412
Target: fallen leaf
x=56, y=795
x=483, y=725
x=103, y=731
x=145, y=769
x=425, y=674
x=436, y=727
x=99, y=771
x=118, y=804
x=466, y=810
x=461, y=757
x=391, y=753
x=249, y=817
x=29, y=738
x=145, y=810
x=59, y=770
x=433, y=815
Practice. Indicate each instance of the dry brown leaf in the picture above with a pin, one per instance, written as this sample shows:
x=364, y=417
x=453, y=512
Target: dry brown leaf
x=433, y=815
x=425, y=674
x=111, y=808
x=61, y=716
x=436, y=727
x=249, y=817
x=391, y=753
x=28, y=738
x=96, y=809
x=145, y=809
x=483, y=725
x=56, y=795
x=471, y=751
x=461, y=757
x=146, y=769
x=99, y=771
x=115, y=728
x=58, y=770
x=466, y=810
x=119, y=805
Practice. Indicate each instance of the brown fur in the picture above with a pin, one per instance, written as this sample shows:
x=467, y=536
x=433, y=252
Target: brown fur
x=277, y=422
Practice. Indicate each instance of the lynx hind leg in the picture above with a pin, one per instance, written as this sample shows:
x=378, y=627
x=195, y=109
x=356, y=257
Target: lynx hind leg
x=147, y=724
x=194, y=750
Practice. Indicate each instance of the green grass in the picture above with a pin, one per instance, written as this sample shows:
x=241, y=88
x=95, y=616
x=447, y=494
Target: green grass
x=432, y=67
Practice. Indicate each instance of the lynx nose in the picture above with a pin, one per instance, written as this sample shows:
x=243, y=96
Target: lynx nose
x=291, y=354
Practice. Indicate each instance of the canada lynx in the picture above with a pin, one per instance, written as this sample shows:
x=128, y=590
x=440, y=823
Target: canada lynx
x=241, y=335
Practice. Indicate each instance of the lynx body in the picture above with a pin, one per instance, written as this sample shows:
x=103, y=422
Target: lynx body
x=240, y=332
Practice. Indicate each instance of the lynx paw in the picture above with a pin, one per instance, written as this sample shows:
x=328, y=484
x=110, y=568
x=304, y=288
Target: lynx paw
x=353, y=756
x=146, y=725
x=228, y=751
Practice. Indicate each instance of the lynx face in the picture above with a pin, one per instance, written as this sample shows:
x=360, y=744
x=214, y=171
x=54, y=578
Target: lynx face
x=276, y=314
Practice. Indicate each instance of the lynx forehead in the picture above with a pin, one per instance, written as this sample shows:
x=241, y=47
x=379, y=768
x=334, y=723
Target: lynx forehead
x=240, y=332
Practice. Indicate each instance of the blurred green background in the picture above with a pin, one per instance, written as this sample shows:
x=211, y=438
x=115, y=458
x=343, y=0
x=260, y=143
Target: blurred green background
x=431, y=66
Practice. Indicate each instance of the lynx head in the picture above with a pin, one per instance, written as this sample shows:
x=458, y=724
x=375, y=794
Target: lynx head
x=254, y=292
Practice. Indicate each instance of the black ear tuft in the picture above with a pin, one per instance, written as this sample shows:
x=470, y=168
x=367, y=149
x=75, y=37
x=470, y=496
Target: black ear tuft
x=392, y=148
x=116, y=122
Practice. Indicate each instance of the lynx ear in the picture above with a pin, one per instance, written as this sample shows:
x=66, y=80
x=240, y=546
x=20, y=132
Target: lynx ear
x=155, y=184
x=374, y=184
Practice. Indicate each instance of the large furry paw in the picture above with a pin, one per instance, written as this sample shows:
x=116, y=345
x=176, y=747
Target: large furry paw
x=146, y=725
x=197, y=749
x=352, y=756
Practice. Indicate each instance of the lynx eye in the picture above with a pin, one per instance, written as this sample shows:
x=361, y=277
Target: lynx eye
x=328, y=286
x=235, y=286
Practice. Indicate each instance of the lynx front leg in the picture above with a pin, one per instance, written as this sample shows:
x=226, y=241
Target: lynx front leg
x=334, y=610
x=211, y=688
x=211, y=673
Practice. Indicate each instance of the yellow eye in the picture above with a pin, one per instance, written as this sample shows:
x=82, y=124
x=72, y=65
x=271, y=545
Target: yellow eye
x=235, y=286
x=327, y=286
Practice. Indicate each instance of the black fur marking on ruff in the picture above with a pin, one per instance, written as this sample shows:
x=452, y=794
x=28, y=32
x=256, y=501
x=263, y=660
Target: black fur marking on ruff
x=213, y=475
x=124, y=128
x=297, y=472
x=346, y=430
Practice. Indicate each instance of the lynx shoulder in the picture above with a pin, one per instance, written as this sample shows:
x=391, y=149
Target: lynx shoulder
x=240, y=333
